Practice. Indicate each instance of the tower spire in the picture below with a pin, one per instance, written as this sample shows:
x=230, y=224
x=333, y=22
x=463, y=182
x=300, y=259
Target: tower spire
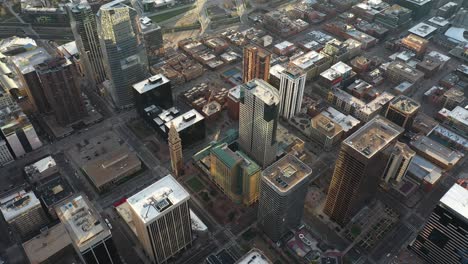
x=175, y=150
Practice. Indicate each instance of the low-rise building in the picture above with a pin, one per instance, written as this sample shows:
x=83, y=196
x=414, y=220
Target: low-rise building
x=452, y=98
x=415, y=43
x=254, y=256
x=111, y=168
x=398, y=72
x=53, y=192
x=312, y=63
x=325, y=131
x=402, y=111
x=458, y=119
x=424, y=172
x=435, y=152
x=41, y=169
x=394, y=17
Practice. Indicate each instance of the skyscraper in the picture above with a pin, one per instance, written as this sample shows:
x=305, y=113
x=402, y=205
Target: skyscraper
x=84, y=28
x=256, y=63
x=292, y=86
x=358, y=168
x=91, y=237
x=258, y=121
x=400, y=156
x=61, y=85
x=444, y=238
x=123, y=54
x=175, y=150
x=152, y=37
x=162, y=219
x=235, y=173
x=402, y=111
x=282, y=194
x=156, y=90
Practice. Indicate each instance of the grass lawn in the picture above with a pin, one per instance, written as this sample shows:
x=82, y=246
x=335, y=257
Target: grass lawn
x=195, y=184
x=171, y=14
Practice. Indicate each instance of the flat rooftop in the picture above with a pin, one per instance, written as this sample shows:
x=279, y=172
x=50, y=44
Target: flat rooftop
x=459, y=114
x=286, y=173
x=47, y=244
x=17, y=204
x=254, y=256
x=185, y=120
x=41, y=165
x=308, y=60
x=111, y=166
x=151, y=83
x=326, y=125
x=373, y=136
x=277, y=70
x=82, y=222
x=422, y=29
x=263, y=91
x=151, y=202
x=436, y=150
x=54, y=191
x=347, y=122
x=234, y=93
x=424, y=170
x=404, y=104
x=27, y=60
x=456, y=199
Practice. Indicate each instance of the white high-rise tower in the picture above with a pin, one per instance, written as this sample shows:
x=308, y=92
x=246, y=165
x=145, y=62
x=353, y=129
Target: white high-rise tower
x=292, y=86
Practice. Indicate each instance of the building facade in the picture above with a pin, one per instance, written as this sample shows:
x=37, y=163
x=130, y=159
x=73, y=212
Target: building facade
x=162, y=219
x=400, y=157
x=292, y=87
x=61, y=85
x=91, y=237
x=283, y=189
x=123, y=55
x=444, y=237
x=359, y=162
x=5, y=154
x=235, y=174
x=402, y=111
x=256, y=63
x=152, y=38
x=258, y=121
x=175, y=151
x=84, y=28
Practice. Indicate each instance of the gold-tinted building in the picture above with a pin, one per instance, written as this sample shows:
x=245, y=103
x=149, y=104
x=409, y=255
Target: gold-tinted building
x=235, y=173
x=358, y=168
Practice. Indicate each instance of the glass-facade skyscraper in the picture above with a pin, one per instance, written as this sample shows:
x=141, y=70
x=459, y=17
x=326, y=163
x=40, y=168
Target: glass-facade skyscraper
x=123, y=52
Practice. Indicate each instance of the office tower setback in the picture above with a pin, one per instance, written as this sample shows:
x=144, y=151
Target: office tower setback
x=236, y=174
x=90, y=235
x=61, y=85
x=156, y=90
x=84, y=28
x=258, y=121
x=152, y=37
x=162, y=219
x=400, y=157
x=358, y=168
x=444, y=238
x=23, y=212
x=292, y=86
x=402, y=111
x=282, y=194
x=175, y=151
x=256, y=63
x=123, y=54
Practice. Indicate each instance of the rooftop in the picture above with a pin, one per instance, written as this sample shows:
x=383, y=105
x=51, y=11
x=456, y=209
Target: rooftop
x=405, y=104
x=439, y=21
x=263, y=91
x=373, y=136
x=277, y=70
x=422, y=29
x=347, y=122
x=41, y=165
x=54, y=191
x=424, y=170
x=403, y=149
x=27, y=60
x=185, y=120
x=436, y=150
x=284, y=45
x=17, y=204
x=82, y=222
x=326, y=125
x=308, y=60
x=151, y=202
x=286, y=173
x=112, y=165
x=459, y=114
x=147, y=24
x=234, y=93
x=456, y=199
x=150, y=83
x=47, y=244
x=254, y=256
